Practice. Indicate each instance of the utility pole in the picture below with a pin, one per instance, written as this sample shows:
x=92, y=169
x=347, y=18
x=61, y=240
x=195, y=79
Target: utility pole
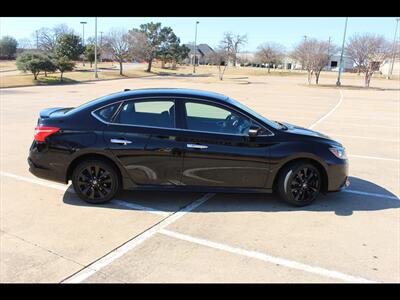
x=95, y=48
x=101, y=45
x=329, y=49
x=341, y=55
x=37, y=40
x=195, y=40
x=83, y=39
x=394, y=50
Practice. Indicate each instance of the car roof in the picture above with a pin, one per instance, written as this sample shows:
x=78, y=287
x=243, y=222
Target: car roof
x=138, y=93
x=171, y=92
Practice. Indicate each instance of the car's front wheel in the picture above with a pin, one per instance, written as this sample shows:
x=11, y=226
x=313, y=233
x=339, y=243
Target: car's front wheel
x=95, y=181
x=299, y=183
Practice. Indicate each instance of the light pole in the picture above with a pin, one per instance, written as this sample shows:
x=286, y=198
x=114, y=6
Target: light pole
x=101, y=45
x=341, y=54
x=37, y=40
x=95, y=48
x=195, y=40
x=83, y=39
x=394, y=49
x=329, y=54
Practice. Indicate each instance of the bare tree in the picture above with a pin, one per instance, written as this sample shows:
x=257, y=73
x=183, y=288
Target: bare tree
x=313, y=55
x=220, y=57
x=270, y=54
x=321, y=57
x=117, y=43
x=25, y=43
x=368, y=51
x=232, y=42
x=47, y=37
x=303, y=54
x=356, y=49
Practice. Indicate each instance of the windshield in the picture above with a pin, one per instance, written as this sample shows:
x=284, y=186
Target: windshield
x=273, y=124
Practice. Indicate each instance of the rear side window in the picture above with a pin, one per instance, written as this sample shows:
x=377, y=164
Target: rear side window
x=107, y=112
x=154, y=113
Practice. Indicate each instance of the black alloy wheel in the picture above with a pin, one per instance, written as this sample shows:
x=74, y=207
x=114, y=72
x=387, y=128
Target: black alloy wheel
x=95, y=181
x=299, y=184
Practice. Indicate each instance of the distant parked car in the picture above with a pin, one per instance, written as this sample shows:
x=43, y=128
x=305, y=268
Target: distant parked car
x=179, y=139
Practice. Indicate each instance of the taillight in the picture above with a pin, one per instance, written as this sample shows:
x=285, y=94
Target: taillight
x=41, y=132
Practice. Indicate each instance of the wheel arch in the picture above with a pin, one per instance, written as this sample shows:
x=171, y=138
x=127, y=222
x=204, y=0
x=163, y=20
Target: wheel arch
x=90, y=156
x=312, y=161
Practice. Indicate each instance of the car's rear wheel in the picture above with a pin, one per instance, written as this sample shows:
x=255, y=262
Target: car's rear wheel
x=95, y=181
x=299, y=183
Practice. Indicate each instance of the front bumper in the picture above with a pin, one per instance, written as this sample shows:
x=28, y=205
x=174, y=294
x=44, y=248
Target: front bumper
x=338, y=176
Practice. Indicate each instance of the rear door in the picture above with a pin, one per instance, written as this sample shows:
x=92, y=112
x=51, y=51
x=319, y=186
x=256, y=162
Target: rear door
x=142, y=137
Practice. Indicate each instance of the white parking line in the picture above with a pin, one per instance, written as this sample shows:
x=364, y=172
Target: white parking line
x=64, y=188
x=137, y=240
x=329, y=112
x=267, y=258
x=373, y=157
x=139, y=207
x=36, y=181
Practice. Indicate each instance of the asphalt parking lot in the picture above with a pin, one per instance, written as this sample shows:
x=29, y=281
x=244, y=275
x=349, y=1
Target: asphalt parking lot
x=49, y=235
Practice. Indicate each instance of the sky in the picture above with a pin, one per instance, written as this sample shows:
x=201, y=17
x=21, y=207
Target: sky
x=287, y=31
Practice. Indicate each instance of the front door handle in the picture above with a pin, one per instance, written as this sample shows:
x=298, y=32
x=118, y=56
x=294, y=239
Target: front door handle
x=118, y=141
x=195, y=146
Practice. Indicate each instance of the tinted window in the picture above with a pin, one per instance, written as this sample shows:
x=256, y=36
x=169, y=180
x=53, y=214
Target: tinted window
x=206, y=117
x=157, y=113
x=107, y=112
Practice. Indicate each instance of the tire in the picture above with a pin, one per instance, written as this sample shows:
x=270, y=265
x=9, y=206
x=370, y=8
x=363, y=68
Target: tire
x=295, y=188
x=95, y=181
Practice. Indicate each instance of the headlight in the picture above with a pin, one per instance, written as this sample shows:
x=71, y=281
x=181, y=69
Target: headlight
x=339, y=152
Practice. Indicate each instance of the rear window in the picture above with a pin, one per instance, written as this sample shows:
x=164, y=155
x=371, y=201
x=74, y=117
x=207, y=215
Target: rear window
x=107, y=112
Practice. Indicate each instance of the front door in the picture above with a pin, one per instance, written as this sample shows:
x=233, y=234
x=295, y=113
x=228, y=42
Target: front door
x=218, y=151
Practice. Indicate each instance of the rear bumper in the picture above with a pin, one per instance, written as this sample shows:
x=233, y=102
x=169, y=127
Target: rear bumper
x=338, y=176
x=44, y=173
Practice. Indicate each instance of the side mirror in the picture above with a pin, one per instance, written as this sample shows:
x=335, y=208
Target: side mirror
x=253, y=131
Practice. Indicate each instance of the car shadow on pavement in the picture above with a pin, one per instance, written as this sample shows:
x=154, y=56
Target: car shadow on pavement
x=341, y=203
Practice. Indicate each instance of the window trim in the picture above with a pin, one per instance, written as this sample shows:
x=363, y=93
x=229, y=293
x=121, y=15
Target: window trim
x=178, y=129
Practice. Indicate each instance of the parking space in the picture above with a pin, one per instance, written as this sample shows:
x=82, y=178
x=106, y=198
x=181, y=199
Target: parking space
x=49, y=235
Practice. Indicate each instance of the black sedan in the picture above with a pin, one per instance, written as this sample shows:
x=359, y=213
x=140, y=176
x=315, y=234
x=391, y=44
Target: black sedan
x=181, y=139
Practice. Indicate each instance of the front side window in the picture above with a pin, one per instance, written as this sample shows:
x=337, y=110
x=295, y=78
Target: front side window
x=211, y=118
x=154, y=113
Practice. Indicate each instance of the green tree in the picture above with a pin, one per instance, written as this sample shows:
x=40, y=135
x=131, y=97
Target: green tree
x=64, y=64
x=68, y=45
x=179, y=53
x=8, y=47
x=32, y=62
x=89, y=53
x=151, y=41
x=48, y=65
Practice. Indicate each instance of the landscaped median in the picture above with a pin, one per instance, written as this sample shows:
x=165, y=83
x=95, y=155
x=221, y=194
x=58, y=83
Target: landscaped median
x=11, y=77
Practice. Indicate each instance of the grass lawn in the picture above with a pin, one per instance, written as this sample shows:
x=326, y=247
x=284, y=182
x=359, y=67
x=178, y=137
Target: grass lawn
x=11, y=77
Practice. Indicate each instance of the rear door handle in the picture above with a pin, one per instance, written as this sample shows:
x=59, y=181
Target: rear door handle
x=118, y=141
x=195, y=146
